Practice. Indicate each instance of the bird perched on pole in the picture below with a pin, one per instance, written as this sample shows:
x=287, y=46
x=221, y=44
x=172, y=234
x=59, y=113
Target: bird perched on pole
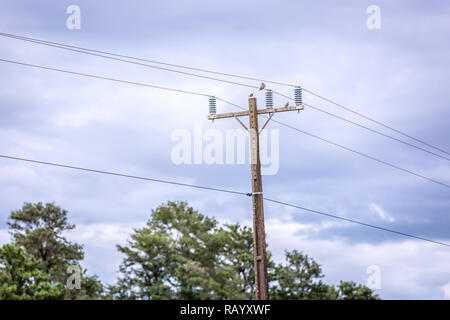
x=251, y=95
x=263, y=85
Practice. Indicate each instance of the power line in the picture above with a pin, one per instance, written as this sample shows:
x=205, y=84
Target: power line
x=348, y=149
x=211, y=188
x=91, y=53
x=365, y=127
x=104, y=78
x=122, y=175
x=230, y=103
x=355, y=221
x=87, y=50
x=129, y=176
x=135, y=58
x=377, y=122
x=112, y=56
x=363, y=154
x=377, y=132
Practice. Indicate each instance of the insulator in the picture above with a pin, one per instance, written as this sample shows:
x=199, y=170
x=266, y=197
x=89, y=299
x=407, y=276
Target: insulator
x=269, y=99
x=298, y=96
x=212, y=105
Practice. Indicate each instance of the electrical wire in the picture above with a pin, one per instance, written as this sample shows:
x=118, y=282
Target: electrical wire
x=230, y=103
x=377, y=122
x=104, y=78
x=354, y=221
x=346, y=148
x=129, y=176
x=112, y=56
x=89, y=51
x=121, y=175
x=8, y=35
x=376, y=131
x=365, y=127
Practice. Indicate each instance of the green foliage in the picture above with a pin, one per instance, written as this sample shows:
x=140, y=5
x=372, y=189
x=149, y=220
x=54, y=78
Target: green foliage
x=181, y=254
x=178, y=254
x=21, y=277
x=299, y=278
x=38, y=229
x=353, y=291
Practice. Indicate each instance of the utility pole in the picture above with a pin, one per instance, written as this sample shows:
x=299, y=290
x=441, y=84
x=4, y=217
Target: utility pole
x=259, y=235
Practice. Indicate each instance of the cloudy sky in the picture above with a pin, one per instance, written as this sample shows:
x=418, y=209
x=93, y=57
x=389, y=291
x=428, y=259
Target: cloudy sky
x=397, y=74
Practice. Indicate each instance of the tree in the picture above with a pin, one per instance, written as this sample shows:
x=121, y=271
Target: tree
x=177, y=255
x=21, y=277
x=182, y=254
x=38, y=229
x=299, y=278
x=91, y=289
x=353, y=291
x=238, y=254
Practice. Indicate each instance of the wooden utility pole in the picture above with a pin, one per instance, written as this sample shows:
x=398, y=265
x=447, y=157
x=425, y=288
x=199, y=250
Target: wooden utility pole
x=259, y=235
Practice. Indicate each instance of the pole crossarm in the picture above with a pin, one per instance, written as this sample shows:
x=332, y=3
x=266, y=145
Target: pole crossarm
x=260, y=111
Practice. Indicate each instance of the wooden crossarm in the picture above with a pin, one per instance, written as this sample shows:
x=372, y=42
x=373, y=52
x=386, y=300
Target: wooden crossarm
x=260, y=111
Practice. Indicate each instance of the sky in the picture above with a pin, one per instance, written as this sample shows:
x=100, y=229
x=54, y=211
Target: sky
x=397, y=74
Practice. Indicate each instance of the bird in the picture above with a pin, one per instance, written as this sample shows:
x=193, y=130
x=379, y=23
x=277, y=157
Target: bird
x=263, y=85
x=251, y=95
x=287, y=104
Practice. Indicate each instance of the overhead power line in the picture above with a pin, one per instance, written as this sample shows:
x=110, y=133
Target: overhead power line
x=354, y=221
x=112, y=56
x=8, y=35
x=347, y=148
x=230, y=103
x=365, y=127
x=103, y=78
x=90, y=51
x=376, y=131
x=363, y=154
x=195, y=186
x=377, y=122
x=122, y=175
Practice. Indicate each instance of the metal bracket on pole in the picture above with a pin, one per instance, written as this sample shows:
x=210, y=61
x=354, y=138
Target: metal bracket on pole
x=253, y=193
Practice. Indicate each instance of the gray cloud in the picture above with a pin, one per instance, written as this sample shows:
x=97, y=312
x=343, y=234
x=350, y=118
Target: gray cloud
x=397, y=75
